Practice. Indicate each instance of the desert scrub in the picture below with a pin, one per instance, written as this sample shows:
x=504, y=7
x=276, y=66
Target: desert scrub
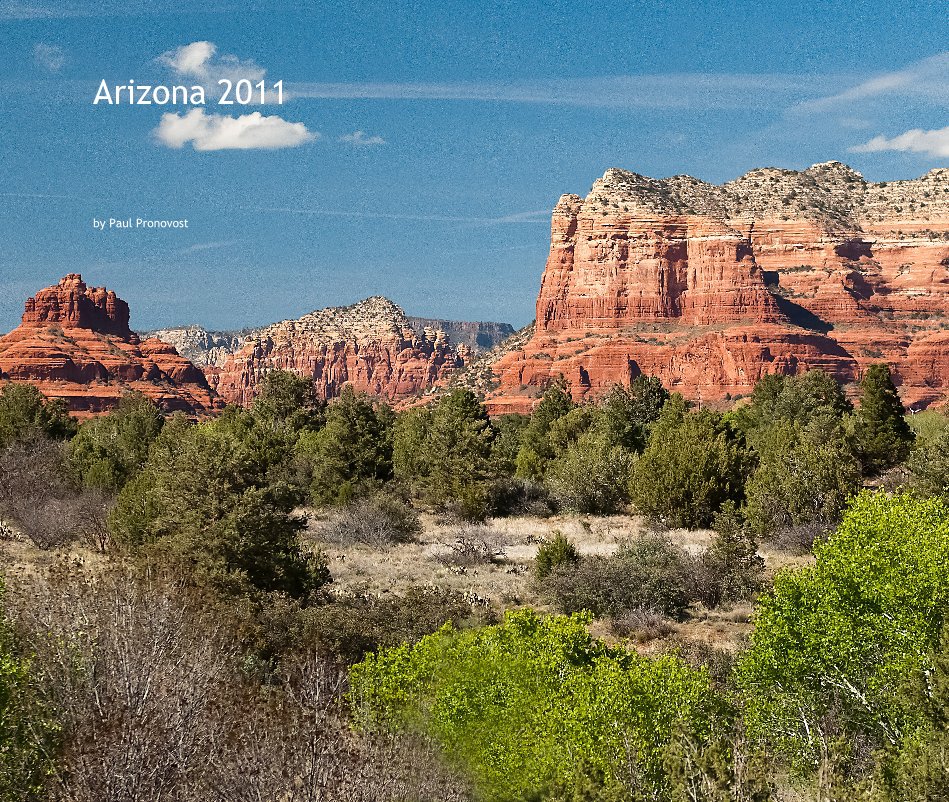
x=647, y=573
x=471, y=545
x=553, y=553
x=378, y=521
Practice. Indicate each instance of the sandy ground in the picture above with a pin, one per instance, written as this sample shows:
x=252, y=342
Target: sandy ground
x=507, y=583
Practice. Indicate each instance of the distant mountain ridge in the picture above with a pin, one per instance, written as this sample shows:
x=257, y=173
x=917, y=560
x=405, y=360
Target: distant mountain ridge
x=207, y=348
x=371, y=345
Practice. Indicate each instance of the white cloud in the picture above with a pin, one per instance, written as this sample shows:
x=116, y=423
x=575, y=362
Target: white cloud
x=199, y=61
x=219, y=132
x=362, y=139
x=932, y=143
x=49, y=57
x=926, y=80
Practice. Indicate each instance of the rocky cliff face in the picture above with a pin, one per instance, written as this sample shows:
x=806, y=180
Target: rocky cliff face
x=202, y=347
x=370, y=345
x=75, y=343
x=710, y=287
x=476, y=336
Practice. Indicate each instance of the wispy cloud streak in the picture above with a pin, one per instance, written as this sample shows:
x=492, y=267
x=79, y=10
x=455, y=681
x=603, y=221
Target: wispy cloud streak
x=723, y=91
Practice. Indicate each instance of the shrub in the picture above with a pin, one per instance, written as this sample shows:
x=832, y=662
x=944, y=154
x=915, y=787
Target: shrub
x=156, y=700
x=353, y=626
x=641, y=625
x=378, y=521
x=693, y=463
x=27, y=727
x=471, y=545
x=212, y=499
x=512, y=496
x=929, y=467
x=37, y=494
x=592, y=476
x=647, y=573
x=804, y=474
x=554, y=553
x=731, y=568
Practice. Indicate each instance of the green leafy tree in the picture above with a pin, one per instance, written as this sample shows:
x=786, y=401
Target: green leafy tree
x=917, y=768
x=109, y=450
x=883, y=434
x=536, y=708
x=351, y=455
x=25, y=412
x=835, y=642
x=694, y=462
x=805, y=474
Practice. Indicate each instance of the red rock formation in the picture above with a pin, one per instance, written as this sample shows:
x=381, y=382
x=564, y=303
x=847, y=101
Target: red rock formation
x=710, y=287
x=370, y=345
x=75, y=343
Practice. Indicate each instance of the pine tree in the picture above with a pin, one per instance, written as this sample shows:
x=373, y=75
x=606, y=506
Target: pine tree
x=883, y=435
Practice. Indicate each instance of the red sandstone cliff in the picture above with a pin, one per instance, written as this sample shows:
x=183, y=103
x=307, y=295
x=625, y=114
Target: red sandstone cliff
x=75, y=343
x=710, y=287
x=370, y=345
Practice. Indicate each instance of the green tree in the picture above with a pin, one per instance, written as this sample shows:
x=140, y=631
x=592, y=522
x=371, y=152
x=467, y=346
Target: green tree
x=445, y=453
x=25, y=412
x=109, y=450
x=536, y=448
x=883, y=435
x=351, y=455
x=835, y=642
x=693, y=463
x=460, y=438
x=591, y=476
x=212, y=498
x=508, y=432
x=792, y=399
x=288, y=402
x=805, y=474
x=629, y=412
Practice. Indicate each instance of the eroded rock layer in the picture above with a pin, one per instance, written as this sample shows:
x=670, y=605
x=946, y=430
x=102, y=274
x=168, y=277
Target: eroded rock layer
x=75, y=343
x=711, y=287
x=371, y=346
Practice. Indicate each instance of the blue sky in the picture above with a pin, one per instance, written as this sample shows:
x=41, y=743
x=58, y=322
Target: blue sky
x=422, y=144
